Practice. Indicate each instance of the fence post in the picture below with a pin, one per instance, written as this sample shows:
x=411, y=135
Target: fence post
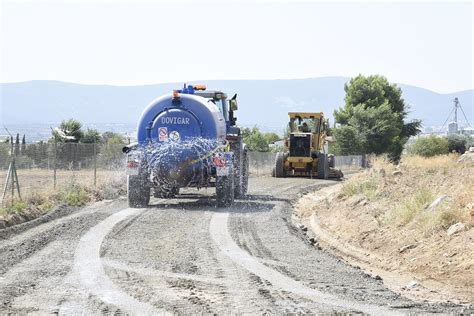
x=54, y=163
x=13, y=166
x=95, y=165
x=257, y=163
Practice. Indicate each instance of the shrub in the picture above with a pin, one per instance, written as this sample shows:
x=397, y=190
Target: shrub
x=469, y=142
x=356, y=185
x=410, y=207
x=429, y=146
x=76, y=196
x=457, y=143
x=17, y=207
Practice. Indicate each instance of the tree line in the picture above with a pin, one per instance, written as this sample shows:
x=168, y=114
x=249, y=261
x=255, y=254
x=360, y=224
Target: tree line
x=373, y=121
x=433, y=145
x=68, y=147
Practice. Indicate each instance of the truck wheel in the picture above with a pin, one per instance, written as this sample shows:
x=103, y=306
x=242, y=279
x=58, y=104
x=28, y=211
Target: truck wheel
x=280, y=165
x=323, y=166
x=225, y=190
x=138, y=191
x=242, y=180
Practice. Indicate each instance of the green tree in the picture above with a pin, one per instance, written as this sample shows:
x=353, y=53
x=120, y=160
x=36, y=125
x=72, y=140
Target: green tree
x=429, y=146
x=255, y=139
x=469, y=142
x=113, y=138
x=457, y=143
x=348, y=141
x=111, y=155
x=91, y=136
x=23, y=145
x=17, y=145
x=375, y=111
x=270, y=138
x=69, y=131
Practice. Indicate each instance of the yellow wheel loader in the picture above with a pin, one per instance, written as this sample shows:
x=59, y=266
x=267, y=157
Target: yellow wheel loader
x=305, y=151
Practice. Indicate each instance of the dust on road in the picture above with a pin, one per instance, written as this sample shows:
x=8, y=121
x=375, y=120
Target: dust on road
x=185, y=256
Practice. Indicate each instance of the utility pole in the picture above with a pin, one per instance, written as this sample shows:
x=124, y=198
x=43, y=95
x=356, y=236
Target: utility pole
x=456, y=105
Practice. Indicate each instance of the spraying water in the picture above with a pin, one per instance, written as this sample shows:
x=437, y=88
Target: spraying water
x=180, y=163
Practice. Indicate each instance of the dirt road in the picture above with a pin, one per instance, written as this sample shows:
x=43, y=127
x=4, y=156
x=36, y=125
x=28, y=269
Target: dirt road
x=186, y=256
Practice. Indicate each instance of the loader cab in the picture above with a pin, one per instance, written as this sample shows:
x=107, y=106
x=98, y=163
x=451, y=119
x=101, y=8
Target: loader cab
x=307, y=133
x=304, y=125
x=305, y=152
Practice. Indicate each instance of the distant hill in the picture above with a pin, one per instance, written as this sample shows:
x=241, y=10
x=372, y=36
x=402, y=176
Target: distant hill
x=261, y=102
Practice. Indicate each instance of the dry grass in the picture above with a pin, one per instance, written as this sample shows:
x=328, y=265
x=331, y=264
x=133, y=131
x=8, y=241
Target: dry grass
x=388, y=208
x=361, y=185
x=410, y=207
x=432, y=163
x=74, y=188
x=405, y=196
x=42, y=180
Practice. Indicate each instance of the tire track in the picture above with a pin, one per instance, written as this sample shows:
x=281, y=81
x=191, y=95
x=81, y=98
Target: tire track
x=220, y=234
x=88, y=266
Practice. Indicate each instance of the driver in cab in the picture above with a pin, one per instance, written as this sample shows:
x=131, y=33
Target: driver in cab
x=304, y=128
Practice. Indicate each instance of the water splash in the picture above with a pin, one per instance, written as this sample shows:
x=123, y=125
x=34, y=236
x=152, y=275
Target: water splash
x=181, y=163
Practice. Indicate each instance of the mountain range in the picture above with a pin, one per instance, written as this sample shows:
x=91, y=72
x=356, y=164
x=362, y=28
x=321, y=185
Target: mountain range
x=263, y=103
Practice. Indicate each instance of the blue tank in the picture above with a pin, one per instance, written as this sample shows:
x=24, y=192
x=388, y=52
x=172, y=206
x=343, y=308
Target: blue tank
x=187, y=139
x=185, y=119
x=174, y=118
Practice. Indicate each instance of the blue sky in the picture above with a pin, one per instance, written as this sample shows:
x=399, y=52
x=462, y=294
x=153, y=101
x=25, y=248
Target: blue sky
x=428, y=44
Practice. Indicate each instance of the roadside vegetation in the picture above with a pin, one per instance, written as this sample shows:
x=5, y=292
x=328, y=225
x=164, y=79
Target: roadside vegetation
x=257, y=140
x=427, y=195
x=433, y=145
x=70, y=149
x=412, y=212
x=74, y=193
x=415, y=219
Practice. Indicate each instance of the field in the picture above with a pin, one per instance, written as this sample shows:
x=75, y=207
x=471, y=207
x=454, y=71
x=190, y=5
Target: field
x=42, y=180
x=73, y=187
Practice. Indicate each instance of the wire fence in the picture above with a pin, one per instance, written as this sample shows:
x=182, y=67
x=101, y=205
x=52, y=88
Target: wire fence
x=49, y=166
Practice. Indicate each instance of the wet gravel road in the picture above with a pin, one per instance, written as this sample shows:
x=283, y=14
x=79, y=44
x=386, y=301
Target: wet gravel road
x=183, y=256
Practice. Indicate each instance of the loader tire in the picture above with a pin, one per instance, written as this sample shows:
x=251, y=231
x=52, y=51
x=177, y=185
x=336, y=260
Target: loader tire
x=280, y=165
x=332, y=161
x=225, y=190
x=138, y=191
x=323, y=166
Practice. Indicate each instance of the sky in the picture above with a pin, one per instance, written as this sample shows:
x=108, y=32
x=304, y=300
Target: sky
x=427, y=44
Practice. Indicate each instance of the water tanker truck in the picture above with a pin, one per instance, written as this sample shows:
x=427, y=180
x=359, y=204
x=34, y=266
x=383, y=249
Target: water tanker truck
x=188, y=138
